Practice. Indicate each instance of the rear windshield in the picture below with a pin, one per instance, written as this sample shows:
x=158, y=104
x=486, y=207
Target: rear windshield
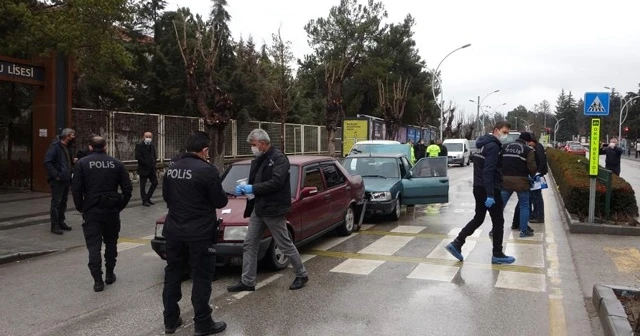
x=240, y=171
x=453, y=147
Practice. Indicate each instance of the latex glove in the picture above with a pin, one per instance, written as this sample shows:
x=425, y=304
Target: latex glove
x=248, y=189
x=239, y=190
x=489, y=202
x=536, y=178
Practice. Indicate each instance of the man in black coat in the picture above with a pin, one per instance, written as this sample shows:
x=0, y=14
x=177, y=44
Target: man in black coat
x=96, y=179
x=147, y=157
x=59, y=165
x=420, y=150
x=443, y=149
x=268, y=202
x=193, y=191
x=614, y=154
x=535, y=196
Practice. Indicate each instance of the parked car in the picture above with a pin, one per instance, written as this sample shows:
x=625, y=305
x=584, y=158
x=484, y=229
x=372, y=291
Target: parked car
x=325, y=198
x=372, y=146
x=458, y=151
x=513, y=136
x=576, y=149
x=390, y=181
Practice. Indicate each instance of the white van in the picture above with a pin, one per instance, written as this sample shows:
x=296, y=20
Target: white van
x=458, y=151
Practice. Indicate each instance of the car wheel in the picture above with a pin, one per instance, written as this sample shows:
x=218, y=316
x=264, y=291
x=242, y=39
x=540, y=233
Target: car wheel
x=349, y=223
x=397, y=209
x=275, y=258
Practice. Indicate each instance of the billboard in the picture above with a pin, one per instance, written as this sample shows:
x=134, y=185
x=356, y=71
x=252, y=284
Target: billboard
x=402, y=134
x=378, y=130
x=353, y=130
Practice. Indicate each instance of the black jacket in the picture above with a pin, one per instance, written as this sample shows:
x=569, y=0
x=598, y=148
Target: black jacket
x=487, y=164
x=96, y=179
x=518, y=163
x=613, y=155
x=420, y=151
x=541, y=159
x=146, y=156
x=57, y=161
x=269, y=176
x=443, y=150
x=193, y=191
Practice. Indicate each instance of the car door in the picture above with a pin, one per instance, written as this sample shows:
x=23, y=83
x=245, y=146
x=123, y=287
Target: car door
x=427, y=182
x=316, y=208
x=339, y=191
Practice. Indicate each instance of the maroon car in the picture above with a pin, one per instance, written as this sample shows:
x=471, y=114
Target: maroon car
x=324, y=198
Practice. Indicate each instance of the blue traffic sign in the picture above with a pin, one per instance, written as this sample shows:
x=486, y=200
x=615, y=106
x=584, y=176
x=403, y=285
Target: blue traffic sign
x=596, y=104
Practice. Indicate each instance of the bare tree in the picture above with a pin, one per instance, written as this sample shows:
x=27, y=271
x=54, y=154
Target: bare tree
x=280, y=86
x=199, y=49
x=393, y=104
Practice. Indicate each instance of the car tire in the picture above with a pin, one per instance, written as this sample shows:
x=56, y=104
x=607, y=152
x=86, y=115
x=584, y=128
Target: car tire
x=397, y=210
x=274, y=259
x=349, y=223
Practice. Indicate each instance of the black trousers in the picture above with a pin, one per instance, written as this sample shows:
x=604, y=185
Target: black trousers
x=497, y=218
x=59, y=196
x=201, y=257
x=146, y=195
x=99, y=227
x=614, y=168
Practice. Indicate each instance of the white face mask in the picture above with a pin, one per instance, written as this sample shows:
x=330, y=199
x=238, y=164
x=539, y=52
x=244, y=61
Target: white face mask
x=147, y=141
x=503, y=137
x=612, y=144
x=256, y=152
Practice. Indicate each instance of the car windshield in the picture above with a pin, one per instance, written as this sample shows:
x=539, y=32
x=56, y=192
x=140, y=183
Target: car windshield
x=384, y=167
x=241, y=171
x=512, y=137
x=380, y=149
x=453, y=147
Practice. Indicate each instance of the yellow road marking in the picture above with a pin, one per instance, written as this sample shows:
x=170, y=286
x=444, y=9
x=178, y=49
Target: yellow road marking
x=432, y=261
x=442, y=236
x=557, y=322
x=626, y=260
x=133, y=240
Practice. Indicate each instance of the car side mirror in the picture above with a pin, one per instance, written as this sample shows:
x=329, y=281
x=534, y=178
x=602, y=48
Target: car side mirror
x=308, y=191
x=466, y=150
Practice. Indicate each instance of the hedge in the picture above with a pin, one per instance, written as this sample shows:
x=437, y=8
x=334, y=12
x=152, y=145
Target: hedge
x=572, y=178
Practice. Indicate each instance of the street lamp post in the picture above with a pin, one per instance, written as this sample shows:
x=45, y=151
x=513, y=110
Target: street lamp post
x=479, y=103
x=623, y=119
x=555, y=129
x=433, y=90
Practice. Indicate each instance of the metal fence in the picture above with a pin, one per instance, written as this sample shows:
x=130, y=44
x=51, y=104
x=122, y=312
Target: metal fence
x=123, y=130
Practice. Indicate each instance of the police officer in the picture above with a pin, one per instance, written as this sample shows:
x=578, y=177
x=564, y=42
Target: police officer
x=95, y=194
x=193, y=190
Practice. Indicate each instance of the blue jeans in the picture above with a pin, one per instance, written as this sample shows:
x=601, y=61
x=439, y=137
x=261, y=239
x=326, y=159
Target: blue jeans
x=523, y=206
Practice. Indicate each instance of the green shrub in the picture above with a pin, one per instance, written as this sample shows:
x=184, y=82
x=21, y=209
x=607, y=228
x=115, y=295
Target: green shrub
x=572, y=178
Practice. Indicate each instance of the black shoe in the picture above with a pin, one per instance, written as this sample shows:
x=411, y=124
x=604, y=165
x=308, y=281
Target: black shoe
x=150, y=201
x=98, y=286
x=299, y=282
x=536, y=221
x=172, y=329
x=217, y=327
x=514, y=227
x=110, y=278
x=56, y=230
x=65, y=227
x=146, y=203
x=240, y=287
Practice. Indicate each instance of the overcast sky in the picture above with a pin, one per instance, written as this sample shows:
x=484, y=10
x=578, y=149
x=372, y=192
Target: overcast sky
x=529, y=50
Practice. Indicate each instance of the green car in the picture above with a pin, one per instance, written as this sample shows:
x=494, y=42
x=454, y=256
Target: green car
x=391, y=181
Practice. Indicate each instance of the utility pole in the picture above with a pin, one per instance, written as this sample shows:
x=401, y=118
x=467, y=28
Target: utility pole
x=478, y=117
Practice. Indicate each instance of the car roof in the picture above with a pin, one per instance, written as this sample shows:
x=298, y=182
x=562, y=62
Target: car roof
x=376, y=155
x=378, y=142
x=296, y=160
x=455, y=140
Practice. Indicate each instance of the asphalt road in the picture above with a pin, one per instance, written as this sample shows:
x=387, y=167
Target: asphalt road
x=392, y=278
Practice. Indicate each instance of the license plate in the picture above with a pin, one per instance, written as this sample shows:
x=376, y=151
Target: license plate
x=159, y=228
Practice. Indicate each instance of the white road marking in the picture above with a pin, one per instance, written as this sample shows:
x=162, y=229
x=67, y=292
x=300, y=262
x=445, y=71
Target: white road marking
x=408, y=229
x=387, y=245
x=455, y=232
x=434, y=272
x=439, y=252
x=127, y=246
x=331, y=242
x=515, y=234
x=526, y=254
x=521, y=281
x=259, y=285
x=357, y=266
x=305, y=258
x=149, y=237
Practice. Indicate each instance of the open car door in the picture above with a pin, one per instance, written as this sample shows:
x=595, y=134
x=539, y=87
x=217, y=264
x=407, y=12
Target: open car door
x=427, y=182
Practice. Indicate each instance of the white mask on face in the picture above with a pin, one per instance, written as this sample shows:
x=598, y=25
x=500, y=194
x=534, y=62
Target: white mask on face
x=503, y=137
x=612, y=144
x=256, y=151
x=147, y=141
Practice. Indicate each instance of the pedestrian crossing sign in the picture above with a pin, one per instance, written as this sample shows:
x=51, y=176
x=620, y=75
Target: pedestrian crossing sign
x=596, y=104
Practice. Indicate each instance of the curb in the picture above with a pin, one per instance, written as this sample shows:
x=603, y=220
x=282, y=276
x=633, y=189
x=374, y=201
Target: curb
x=17, y=256
x=611, y=312
x=35, y=219
x=575, y=226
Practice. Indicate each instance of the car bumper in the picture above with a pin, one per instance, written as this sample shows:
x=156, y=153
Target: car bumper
x=225, y=252
x=379, y=207
x=456, y=160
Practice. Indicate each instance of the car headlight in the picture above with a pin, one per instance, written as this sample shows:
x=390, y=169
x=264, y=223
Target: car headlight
x=381, y=196
x=235, y=232
x=159, y=228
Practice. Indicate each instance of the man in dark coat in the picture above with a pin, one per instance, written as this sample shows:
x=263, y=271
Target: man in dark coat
x=147, y=157
x=535, y=196
x=614, y=154
x=268, y=202
x=420, y=150
x=443, y=149
x=59, y=165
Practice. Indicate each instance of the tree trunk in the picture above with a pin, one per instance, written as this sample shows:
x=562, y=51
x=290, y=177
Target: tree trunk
x=333, y=113
x=217, y=146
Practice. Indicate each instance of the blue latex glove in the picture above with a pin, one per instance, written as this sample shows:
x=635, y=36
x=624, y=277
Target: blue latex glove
x=489, y=202
x=248, y=189
x=536, y=178
x=239, y=190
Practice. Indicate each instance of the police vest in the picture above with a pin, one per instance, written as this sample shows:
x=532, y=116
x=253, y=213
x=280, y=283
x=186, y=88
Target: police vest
x=514, y=159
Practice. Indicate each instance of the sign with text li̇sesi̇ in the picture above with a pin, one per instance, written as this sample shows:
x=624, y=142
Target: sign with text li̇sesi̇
x=13, y=71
